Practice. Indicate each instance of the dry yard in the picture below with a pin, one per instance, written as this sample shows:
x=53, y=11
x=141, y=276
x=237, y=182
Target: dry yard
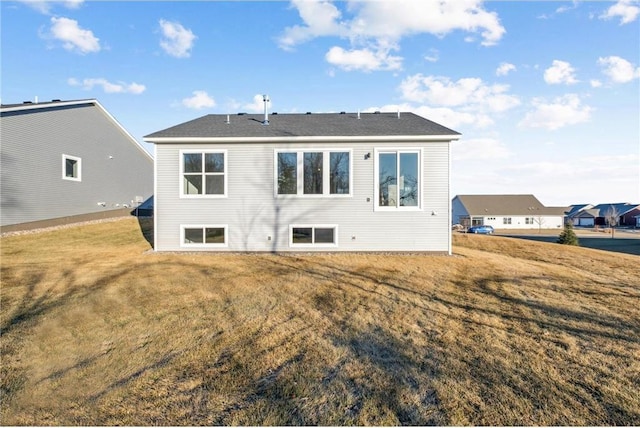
x=97, y=330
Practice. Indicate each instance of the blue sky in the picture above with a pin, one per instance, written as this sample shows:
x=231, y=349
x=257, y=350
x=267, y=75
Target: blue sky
x=545, y=93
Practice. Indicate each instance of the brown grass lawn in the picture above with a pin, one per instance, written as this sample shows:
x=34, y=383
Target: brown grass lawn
x=96, y=330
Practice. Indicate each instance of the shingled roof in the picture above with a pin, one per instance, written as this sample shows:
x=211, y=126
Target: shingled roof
x=501, y=205
x=305, y=125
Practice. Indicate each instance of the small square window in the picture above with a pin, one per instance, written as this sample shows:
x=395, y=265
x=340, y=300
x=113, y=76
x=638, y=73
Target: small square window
x=71, y=168
x=203, y=174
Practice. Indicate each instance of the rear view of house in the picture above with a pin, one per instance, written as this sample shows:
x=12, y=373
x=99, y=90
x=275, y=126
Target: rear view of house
x=506, y=212
x=303, y=182
x=66, y=160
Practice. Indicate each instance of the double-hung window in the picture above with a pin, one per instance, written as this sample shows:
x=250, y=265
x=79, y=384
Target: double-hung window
x=398, y=179
x=313, y=172
x=203, y=173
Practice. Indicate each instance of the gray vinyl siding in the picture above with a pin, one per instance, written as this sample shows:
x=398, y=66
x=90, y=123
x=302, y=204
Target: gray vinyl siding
x=115, y=169
x=253, y=213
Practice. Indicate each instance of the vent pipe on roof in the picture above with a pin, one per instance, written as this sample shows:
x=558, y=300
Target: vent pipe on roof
x=228, y=120
x=265, y=99
x=358, y=114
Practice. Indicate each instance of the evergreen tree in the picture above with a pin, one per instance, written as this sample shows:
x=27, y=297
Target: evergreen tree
x=568, y=236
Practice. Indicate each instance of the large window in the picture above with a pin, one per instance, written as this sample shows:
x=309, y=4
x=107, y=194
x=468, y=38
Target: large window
x=203, y=174
x=313, y=172
x=71, y=168
x=398, y=179
x=203, y=236
x=313, y=235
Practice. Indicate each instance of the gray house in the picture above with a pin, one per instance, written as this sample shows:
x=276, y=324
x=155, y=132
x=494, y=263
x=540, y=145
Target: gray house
x=506, y=212
x=303, y=182
x=68, y=160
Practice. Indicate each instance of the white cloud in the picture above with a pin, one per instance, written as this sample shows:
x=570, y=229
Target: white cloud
x=504, y=68
x=383, y=24
x=443, y=115
x=363, y=59
x=479, y=149
x=442, y=91
x=627, y=10
x=108, y=87
x=320, y=18
x=561, y=112
x=45, y=6
x=177, y=41
x=433, y=55
x=73, y=37
x=257, y=105
x=467, y=101
x=595, y=83
x=199, y=100
x=619, y=70
x=560, y=72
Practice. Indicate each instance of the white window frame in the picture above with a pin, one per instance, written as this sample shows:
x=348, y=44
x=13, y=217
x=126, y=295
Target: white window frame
x=313, y=227
x=64, y=167
x=326, y=169
x=183, y=227
x=376, y=173
x=225, y=174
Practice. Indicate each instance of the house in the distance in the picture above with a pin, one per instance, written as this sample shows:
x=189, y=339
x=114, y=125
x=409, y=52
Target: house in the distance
x=506, y=212
x=65, y=161
x=303, y=182
x=601, y=214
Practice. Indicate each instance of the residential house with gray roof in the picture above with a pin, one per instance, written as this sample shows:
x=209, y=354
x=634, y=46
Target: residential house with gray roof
x=600, y=215
x=65, y=161
x=506, y=212
x=303, y=182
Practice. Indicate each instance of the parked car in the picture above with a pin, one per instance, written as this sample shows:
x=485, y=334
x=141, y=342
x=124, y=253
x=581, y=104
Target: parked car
x=486, y=229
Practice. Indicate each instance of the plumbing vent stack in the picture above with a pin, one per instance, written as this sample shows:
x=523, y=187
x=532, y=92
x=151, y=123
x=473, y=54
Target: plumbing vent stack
x=265, y=99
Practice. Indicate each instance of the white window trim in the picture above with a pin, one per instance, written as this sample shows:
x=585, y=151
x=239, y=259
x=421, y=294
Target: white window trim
x=376, y=177
x=64, y=168
x=314, y=226
x=181, y=175
x=203, y=226
x=326, y=179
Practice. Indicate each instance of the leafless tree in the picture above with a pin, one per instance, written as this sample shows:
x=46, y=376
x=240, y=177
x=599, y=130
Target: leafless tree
x=539, y=221
x=612, y=217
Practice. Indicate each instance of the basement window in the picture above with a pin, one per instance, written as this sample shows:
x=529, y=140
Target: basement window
x=203, y=236
x=71, y=168
x=313, y=235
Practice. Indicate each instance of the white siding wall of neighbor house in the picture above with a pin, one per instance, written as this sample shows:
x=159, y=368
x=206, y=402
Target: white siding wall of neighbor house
x=113, y=169
x=524, y=222
x=259, y=221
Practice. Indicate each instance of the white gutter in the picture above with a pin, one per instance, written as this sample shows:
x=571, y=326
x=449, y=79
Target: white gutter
x=315, y=138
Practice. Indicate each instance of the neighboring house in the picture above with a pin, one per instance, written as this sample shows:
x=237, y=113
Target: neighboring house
x=506, y=212
x=303, y=182
x=624, y=211
x=64, y=161
x=585, y=218
x=598, y=215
